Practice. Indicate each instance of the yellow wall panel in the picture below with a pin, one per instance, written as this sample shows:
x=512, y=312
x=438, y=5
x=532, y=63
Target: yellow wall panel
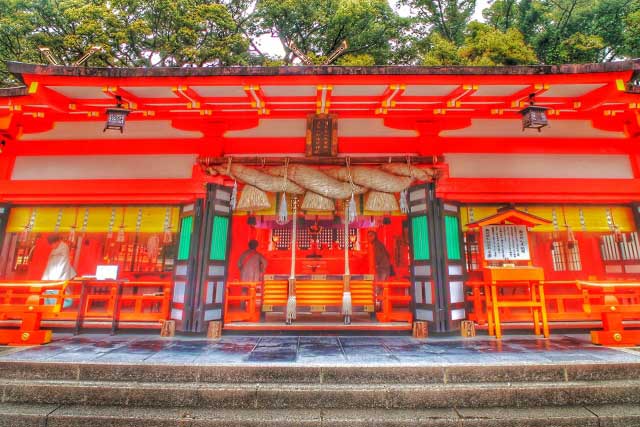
x=18, y=218
x=153, y=218
x=623, y=218
x=595, y=216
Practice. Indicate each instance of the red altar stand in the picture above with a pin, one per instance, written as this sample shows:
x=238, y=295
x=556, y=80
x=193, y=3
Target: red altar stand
x=615, y=302
x=27, y=302
x=509, y=279
x=499, y=281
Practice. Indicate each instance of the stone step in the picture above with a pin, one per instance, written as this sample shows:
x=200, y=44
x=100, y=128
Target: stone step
x=354, y=374
x=322, y=396
x=82, y=416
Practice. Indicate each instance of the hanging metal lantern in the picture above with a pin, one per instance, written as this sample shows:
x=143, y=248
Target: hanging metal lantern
x=116, y=116
x=534, y=117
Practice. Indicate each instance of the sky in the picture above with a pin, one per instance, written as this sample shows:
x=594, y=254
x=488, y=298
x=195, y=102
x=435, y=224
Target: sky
x=271, y=45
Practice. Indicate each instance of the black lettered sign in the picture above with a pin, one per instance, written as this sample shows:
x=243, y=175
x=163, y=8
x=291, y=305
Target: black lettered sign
x=322, y=135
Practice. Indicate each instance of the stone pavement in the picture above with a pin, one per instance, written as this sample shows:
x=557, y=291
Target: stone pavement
x=320, y=350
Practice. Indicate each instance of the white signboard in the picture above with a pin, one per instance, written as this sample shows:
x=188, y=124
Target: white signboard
x=505, y=243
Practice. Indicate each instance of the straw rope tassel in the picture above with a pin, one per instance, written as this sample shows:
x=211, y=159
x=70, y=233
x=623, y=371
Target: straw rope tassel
x=347, y=304
x=291, y=301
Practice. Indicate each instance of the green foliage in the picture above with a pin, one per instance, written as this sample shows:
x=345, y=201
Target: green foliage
x=449, y=18
x=182, y=33
x=631, y=37
x=571, y=31
x=441, y=52
x=318, y=27
x=362, y=60
x=487, y=46
x=483, y=46
x=131, y=32
x=581, y=48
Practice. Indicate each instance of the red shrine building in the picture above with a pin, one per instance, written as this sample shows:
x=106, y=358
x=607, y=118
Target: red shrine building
x=378, y=197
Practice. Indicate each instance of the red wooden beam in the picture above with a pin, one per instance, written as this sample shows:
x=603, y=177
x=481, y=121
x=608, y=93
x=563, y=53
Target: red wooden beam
x=101, y=191
x=539, y=190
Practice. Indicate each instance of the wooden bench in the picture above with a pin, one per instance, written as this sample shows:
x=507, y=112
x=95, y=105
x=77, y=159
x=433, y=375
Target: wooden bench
x=612, y=301
x=27, y=302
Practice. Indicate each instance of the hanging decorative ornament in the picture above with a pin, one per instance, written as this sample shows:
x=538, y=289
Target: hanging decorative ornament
x=291, y=309
x=139, y=221
x=283, y=215
x=353, y=213
x=72, y=234
x=315, y=202
x=351, y=208
x=168, y=237
x=28, y=228
x=234, y=190
x=234, y=195
x=571, y=239
x=85, y=221
x=404, y=205
x=120, y=236
x=56, y=227
x=112, y=222
x=72, y=229
x=252, y=199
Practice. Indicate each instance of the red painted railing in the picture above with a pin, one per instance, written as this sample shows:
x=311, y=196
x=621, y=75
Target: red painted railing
x=91, y=303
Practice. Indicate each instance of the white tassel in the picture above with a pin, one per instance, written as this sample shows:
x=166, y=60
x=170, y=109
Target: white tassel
x=72, y=234
x=234, y=196
x=291, y=308
x=283, y=215
x=347, y=306
x=404, y=206
x=352, y=210
x=120, y=236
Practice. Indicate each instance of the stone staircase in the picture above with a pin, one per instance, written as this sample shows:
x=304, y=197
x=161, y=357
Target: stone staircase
x=91, y=394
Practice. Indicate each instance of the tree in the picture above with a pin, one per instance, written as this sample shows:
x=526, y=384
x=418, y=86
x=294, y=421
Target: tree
x=441, y=52
x=487, y=46
x=318, y=27
x=131, y=32
x=631, y=39
x=447, y=17
x=15, y=28
x=569, y=30
x=483, y=46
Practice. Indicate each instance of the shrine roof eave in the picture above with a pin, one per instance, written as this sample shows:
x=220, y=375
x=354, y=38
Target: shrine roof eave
x=19, y=68
x=511, y=215
x=13, y=91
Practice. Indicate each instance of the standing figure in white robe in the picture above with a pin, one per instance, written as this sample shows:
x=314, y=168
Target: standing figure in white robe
x=59, y=265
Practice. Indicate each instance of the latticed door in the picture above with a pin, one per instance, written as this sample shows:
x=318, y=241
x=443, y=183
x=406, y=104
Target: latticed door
x=453, y=268
x=423, y=289
x=185, y=271
x=438, y=263
x=209, y=293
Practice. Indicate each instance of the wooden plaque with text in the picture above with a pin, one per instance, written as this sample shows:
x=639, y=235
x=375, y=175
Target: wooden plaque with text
x=322, y=135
